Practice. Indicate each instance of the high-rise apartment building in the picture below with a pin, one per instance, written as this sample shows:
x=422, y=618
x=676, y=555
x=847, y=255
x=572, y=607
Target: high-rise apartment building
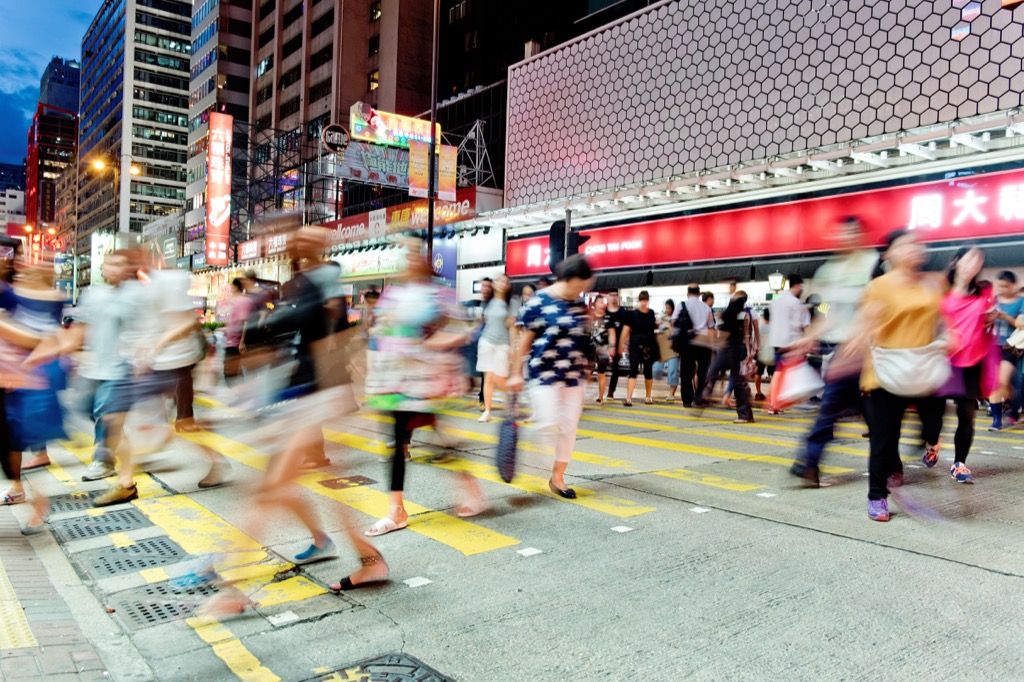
x=59, y=84
x=133, y=132
x=65, y=216
x=315, y=58
x=219, y=82
x=51, y=146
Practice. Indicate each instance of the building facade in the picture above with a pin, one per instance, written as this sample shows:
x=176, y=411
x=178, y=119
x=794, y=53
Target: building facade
x=133, y=131
x=65, y=214
x=12, y=206
x=60, y=83
x=51, y=147
x=219, y=82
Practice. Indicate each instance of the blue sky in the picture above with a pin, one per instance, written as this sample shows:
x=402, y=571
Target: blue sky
x=31, y=32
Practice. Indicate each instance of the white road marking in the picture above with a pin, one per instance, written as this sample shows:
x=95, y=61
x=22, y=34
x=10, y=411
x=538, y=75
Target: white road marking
x=279, y=619
x=418, y=581
x=700, y=510
x=621, y=529
x=766, y=494
x=529, y=551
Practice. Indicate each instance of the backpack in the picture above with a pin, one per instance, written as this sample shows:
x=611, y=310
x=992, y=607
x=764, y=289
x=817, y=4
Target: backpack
x=684, y=330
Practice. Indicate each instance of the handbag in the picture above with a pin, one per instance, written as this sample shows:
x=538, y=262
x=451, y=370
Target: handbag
x=508, y=442
x=910, y=372
x=1016, y=340
x=794, y=383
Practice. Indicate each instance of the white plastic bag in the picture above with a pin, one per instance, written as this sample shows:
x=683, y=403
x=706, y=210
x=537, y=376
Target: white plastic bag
x=795, y=384
x=147, y=428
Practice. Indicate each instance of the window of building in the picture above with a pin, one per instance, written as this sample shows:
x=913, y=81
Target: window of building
x=171, y=25
x=203, y=11
x=321, y=57
x=288, y=108
x=470, y=40
x=266, y=36
x=205, y=35
x=266, y=8
x=265, y=93
x=375, y=12
x=163, y=42
x=266, y=64
x=322, y=23
x=293, y=15
x=320, y=90
x=374, y=45
x=290, y=76
x=291, y=47
x=373, y=80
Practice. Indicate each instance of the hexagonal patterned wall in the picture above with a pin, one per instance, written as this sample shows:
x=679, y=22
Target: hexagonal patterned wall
x=690, y=85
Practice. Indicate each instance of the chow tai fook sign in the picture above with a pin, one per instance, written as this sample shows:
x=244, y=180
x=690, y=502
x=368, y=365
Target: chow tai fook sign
x=384, y=128
x=403, y=217
x=984, y=205
x=218, y=189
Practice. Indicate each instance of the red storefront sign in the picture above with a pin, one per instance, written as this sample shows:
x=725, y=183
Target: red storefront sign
x=987, y=205
x=408, y=216
x=218, y=189
x=248, y=250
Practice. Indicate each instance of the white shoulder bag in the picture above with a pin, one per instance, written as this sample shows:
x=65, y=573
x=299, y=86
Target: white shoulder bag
x=912, y=372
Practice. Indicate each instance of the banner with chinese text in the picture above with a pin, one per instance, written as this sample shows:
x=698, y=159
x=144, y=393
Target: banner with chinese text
x=218, y=189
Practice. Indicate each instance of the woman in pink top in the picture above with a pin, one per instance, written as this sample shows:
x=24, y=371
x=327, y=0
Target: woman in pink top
x=968, y=310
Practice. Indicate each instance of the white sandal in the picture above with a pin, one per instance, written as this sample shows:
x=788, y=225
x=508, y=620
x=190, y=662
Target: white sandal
x=470, y=509
x=384, y=526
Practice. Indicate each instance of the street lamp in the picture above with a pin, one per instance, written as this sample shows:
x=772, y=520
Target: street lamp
x=776, y=280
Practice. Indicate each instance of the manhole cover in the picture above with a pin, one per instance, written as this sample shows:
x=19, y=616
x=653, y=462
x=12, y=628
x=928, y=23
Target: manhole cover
x=74, y=502
x=386, y=668
x=147, y=553
x=159, y=603
x=347, y=482
x=115, y=521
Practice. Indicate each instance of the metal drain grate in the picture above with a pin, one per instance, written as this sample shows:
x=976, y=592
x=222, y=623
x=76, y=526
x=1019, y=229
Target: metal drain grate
x=147, y=553
x=74, y=502
x=386, y=668
x=159, y=603
x=115, y=521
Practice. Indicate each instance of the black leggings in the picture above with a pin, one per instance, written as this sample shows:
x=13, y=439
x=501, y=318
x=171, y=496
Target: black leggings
x=403, y=435
x=641, y=356
x=885, y=420
x=964, y=437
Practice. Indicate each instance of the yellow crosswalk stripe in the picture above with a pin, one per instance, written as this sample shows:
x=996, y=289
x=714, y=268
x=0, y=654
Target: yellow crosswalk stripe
x=459, y=534
x=231, y=651
x=719, y=482
x=528, y=483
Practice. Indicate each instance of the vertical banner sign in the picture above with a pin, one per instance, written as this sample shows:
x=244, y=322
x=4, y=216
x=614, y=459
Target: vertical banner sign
x=419, y=168
x=218, y=189
x=448, y=166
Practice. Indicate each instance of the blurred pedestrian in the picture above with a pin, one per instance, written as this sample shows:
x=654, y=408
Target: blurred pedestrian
x=841, y=282
x=1009, y=318
x=616, y=321
x=668, y=362
x=556, y=341
x=731, y=356
x=495, y=341
x=969, y=309
x=235, y=312
x=765, y=353
x=599, y=335
x=639, y=340
x=900, y=312
x=415, y=370
x=694, y=346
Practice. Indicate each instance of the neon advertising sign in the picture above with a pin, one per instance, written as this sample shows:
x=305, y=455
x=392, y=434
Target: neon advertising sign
x=974, y=206
x=384, y=128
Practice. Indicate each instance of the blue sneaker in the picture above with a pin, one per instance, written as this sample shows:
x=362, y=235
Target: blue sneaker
x=878, y=510
x=960, y=473
x=314, y=553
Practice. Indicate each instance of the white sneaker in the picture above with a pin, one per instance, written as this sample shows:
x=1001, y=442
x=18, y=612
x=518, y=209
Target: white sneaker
x=485, y=417
x=97, y=471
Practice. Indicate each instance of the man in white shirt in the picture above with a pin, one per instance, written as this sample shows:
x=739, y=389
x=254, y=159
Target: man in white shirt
x=695, y=354
x=789, y=317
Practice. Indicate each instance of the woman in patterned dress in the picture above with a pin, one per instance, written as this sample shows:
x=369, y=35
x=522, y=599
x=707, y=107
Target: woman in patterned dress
x=556, y=339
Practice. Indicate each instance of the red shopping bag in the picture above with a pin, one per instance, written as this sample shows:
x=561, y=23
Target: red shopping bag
x=793, y=383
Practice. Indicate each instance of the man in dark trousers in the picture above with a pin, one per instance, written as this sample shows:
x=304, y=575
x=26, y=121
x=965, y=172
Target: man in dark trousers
x=616, y=317
x=695, y=352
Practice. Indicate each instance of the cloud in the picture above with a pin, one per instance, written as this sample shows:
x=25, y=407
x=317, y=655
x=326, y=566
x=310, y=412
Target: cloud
x=19, y=69
x=16, y=109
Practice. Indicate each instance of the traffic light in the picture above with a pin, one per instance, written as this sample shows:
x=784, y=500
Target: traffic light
x=559, y=248
x=556, y=243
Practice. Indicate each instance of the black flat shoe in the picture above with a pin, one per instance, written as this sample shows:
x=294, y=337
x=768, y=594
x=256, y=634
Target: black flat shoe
x=568, y=493
x=627, y=403
x=346, y=583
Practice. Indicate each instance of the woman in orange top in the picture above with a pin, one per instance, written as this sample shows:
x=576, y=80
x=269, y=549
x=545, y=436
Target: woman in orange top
x=901, y=310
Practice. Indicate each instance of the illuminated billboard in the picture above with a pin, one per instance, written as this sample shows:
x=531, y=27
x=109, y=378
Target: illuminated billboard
x=391, y=130
x=218, y=189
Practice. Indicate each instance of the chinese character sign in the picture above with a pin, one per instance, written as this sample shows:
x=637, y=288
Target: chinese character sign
x=218, y=189
x=419, y=168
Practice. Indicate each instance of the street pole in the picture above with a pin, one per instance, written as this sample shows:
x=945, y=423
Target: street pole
x=115, y=174
x=432, y=164
x=568, y=229
x=74, y=248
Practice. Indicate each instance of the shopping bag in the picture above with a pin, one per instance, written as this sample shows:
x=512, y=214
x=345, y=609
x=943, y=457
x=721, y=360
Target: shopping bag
x=794, y=383
x=508, y=442
x=147, y=428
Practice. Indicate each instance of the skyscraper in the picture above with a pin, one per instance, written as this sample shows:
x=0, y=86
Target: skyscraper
x=219, y=82
x=51, y=146
x=59, y=84
x=134, y=115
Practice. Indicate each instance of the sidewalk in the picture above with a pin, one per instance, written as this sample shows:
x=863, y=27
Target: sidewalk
x=39, y=637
